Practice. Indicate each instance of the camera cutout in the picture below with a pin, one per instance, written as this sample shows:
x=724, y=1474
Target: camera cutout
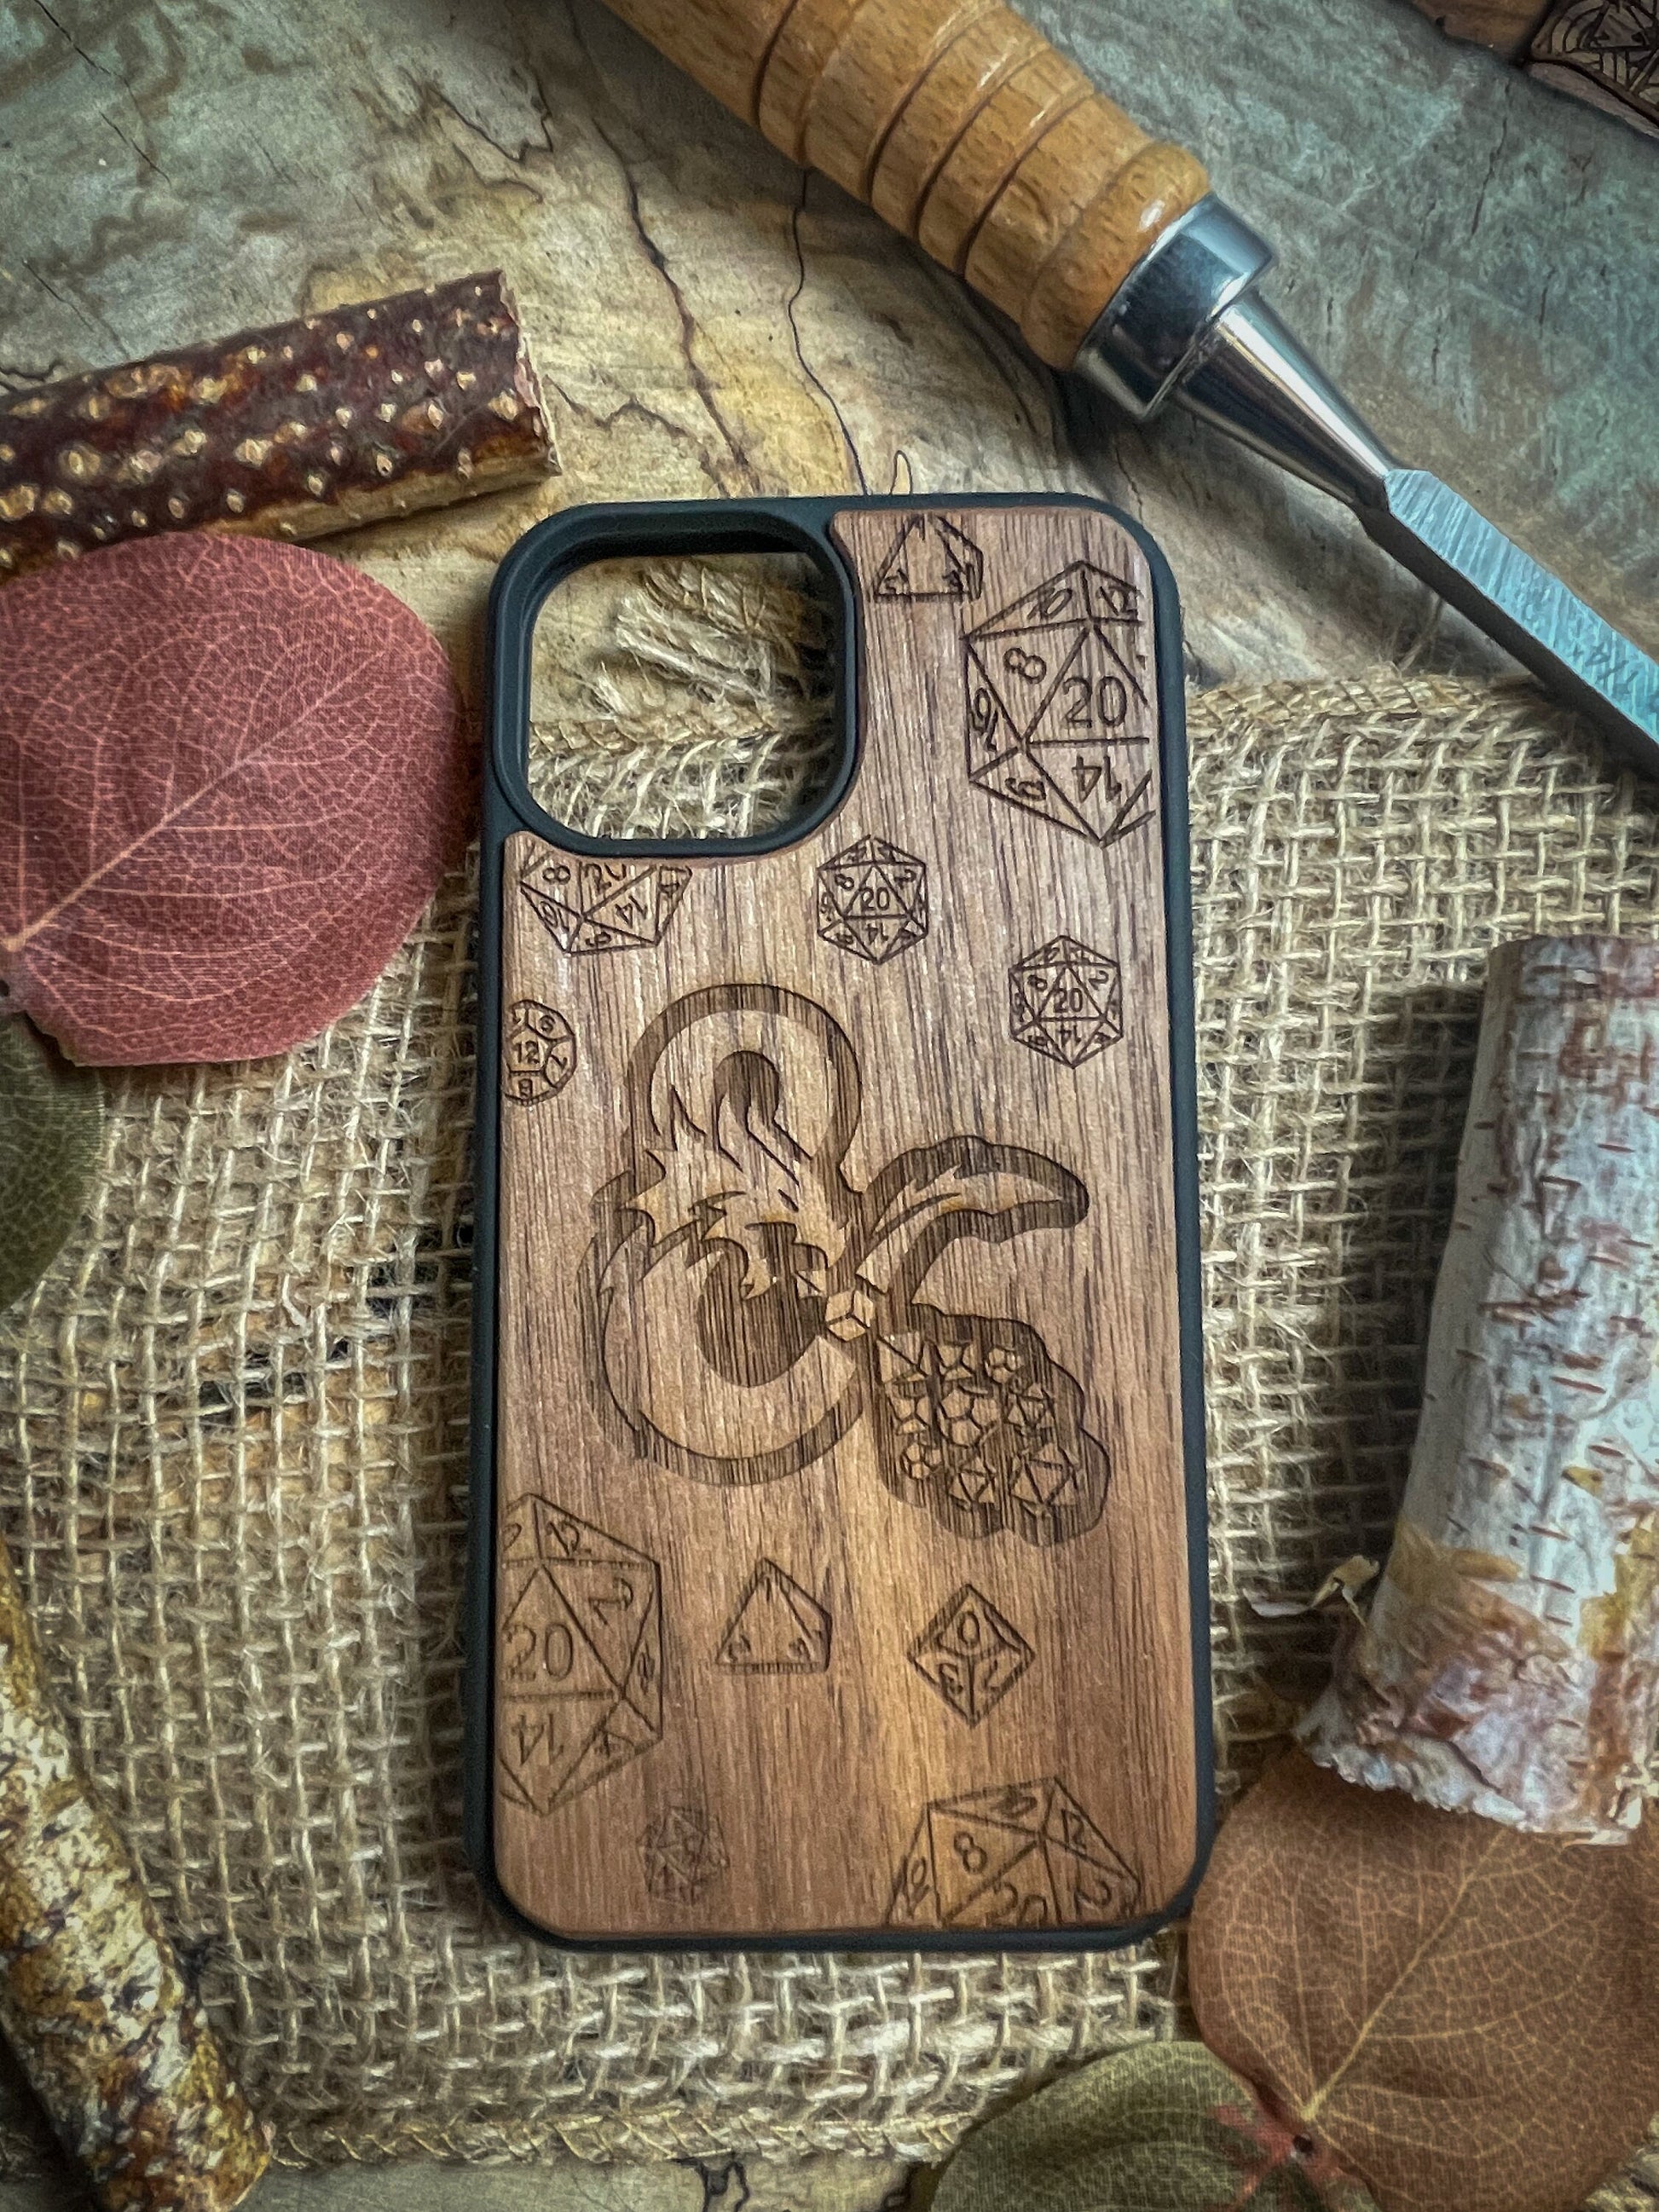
x=690, y=698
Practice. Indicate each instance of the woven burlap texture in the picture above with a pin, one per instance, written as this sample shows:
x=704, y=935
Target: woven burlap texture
x=235, y=1423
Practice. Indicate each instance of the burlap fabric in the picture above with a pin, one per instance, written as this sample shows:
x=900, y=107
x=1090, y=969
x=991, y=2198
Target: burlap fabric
x=234, y=1419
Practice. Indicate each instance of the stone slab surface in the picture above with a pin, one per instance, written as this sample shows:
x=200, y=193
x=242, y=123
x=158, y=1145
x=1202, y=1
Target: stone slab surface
x=1477, y=257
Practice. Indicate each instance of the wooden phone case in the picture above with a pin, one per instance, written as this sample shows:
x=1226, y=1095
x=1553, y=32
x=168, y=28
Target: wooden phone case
x=837, y=1567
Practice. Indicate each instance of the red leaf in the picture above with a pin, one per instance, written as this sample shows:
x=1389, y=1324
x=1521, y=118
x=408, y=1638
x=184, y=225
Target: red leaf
x=231, y=775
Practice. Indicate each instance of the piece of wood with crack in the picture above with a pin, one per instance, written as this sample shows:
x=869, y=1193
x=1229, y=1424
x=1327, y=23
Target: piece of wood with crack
x=1509, y=1665
x=295, y=431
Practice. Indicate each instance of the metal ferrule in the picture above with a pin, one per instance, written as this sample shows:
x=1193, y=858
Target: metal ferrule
x=1157, y=321
x=1186, y=324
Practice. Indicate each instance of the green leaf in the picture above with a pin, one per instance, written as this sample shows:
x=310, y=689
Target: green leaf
x=1165, y=2127
x=51, y=1119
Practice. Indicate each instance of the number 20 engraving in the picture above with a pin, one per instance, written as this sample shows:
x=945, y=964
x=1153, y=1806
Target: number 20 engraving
x=1103, y=703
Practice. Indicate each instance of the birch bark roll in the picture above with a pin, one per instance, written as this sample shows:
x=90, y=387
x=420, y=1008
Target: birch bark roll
x=1509, y=1663
x=92, y=1999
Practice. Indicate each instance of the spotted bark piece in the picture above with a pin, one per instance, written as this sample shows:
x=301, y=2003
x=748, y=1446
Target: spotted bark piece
x=292, y=431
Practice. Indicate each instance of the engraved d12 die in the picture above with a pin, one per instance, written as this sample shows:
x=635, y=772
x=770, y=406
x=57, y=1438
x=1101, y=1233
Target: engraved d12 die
x=1022, y=1856
x=1066, y=1000
x=873, y=900
x=539, y=1053
x=580, y=1655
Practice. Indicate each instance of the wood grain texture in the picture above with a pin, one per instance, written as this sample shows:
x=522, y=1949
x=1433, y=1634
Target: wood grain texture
x=883, y=1519
x=1505, y=26
x=984, y=157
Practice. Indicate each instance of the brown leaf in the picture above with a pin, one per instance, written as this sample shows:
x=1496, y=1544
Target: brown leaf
x=231, y=774
x=1469, y=2017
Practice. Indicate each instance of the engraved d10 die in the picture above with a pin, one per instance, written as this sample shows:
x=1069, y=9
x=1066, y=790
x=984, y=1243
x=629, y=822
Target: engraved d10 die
x=873, y=900
x=1066, y=1000
x=972, y=1655
x=539, y=1053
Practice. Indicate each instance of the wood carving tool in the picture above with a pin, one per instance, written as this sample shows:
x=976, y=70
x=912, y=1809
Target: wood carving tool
x=957, y=123
x=838, y=1426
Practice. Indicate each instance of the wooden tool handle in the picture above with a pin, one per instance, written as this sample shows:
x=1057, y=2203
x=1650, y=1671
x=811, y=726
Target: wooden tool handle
x=959, y=124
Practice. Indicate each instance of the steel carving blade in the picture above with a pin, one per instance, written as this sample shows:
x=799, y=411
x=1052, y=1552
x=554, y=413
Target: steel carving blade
x=1434, y=532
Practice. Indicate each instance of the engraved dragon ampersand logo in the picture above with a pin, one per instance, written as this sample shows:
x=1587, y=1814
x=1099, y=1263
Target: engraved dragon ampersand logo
x=747, y=1304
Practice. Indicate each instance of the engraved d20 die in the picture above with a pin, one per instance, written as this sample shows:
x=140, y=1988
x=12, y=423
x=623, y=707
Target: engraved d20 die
x=603, y=906
x=873, y=900
x=539, y=1053
x=1024, y=1856
x=1092, y=1882
x=683, y=1852
x=580, y=1655
x=1060, y=720
x=1066, y=1000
